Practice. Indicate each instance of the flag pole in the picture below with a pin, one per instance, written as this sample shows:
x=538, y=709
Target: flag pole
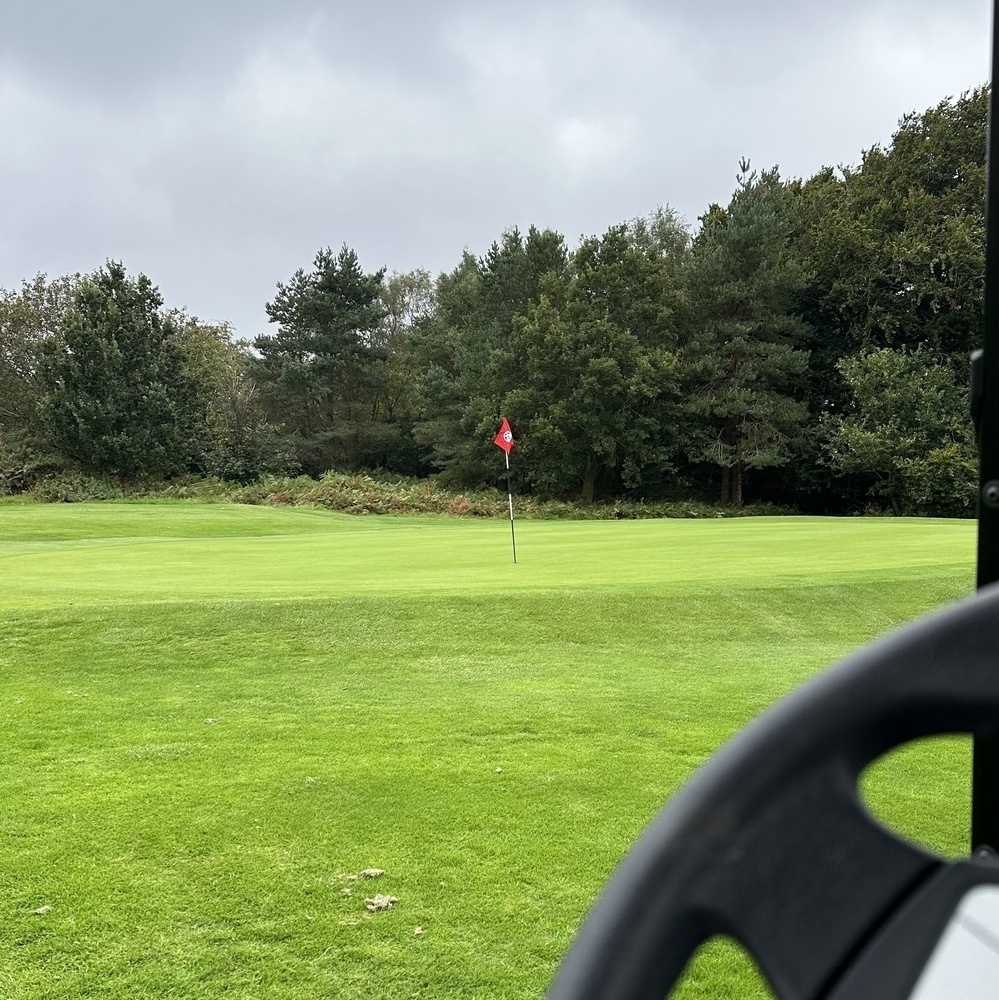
x=509, y=498
x=504, y=440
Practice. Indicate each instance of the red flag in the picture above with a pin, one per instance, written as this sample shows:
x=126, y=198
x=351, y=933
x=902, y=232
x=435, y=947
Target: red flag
x=504, y=437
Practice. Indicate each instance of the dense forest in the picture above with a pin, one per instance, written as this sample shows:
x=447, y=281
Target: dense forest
x=806, y=344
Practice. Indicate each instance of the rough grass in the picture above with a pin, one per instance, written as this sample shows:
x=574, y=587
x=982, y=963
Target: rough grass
x=214, y=716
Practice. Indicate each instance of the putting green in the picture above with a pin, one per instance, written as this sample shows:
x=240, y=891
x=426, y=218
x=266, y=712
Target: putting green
x=104, y=553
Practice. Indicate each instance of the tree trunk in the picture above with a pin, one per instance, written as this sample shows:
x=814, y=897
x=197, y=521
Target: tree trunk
x=735, y=484
x=726, y=479
x=589, y=479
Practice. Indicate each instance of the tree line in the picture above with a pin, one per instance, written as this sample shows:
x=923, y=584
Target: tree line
x=806, y=344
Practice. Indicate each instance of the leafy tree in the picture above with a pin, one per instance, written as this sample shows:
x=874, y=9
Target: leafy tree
x=462, y=350
x=899, y=251
x=907, y=433
x=29, y=318
x=593, y=400
x=896, y=251
x=321, y=373
x=596, y=363
x=408, y=301
x=742, y=355
x=441, y=350
x=117, y=398
x=234, y=441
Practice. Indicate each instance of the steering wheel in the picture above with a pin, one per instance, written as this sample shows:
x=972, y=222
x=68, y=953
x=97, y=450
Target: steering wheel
x=770, y=844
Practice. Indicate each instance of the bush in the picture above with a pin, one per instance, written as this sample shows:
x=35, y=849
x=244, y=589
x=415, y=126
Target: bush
x=357, y=493
x=26, y=459
x=75, y=487
x=944, y=483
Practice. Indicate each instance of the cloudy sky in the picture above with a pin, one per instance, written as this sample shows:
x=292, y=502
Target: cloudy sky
x=216, y=144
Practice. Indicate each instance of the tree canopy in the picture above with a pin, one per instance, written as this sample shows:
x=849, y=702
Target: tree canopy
x=806, y=343
x=117, y=398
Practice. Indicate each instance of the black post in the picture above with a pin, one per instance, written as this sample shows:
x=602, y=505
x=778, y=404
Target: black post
x=985, y=767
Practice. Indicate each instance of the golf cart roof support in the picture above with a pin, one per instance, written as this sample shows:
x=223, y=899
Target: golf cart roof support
x=985, y=770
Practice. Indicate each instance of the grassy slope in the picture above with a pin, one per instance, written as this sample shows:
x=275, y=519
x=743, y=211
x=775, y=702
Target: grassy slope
x=214, y=715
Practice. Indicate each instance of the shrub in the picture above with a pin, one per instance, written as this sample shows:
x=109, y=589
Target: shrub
x=75, y=487
x=358, y=493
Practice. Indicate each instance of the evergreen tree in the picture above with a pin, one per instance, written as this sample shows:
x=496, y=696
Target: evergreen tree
x=321, y=372
x=117, y=397
x=742, y=355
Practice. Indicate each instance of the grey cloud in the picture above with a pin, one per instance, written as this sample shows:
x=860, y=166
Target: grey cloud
x=217, y=145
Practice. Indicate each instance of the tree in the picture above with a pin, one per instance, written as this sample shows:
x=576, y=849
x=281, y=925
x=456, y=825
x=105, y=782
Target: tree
x=462, y=350
x=235, y=441
x=593, y=399
x=907, y=433
x=29, y=318
x=594, y=362
x=117, y=398
x=408, y=301
x=899, y=251
x=742, y=354
x=321, y=372
x=896, y=250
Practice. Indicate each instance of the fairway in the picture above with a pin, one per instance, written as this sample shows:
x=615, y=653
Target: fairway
x=215, y=717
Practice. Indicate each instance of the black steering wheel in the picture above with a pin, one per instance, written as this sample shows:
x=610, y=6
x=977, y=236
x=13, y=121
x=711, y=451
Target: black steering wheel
x=770, y=844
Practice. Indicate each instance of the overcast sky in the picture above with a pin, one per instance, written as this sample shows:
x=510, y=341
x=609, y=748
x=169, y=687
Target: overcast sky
x=215, y=145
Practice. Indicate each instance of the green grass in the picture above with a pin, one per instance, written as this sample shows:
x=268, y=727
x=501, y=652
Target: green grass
x=214, y=715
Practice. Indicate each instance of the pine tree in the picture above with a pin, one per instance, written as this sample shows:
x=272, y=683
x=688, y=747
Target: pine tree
x=321, y=372
x=743, y=353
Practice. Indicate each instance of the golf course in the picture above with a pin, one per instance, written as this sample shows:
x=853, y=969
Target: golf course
x=262, y=752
